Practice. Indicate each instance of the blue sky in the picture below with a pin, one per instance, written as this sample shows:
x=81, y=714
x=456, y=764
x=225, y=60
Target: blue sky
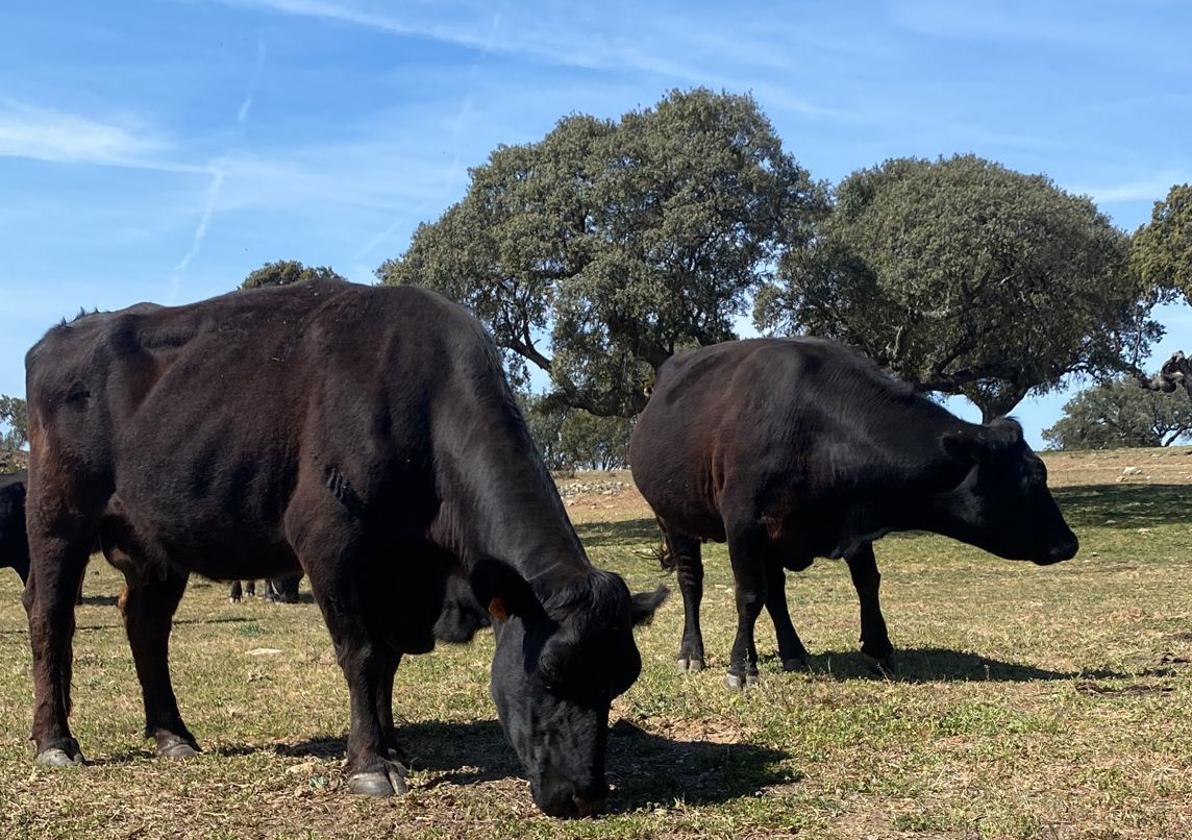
x=161, y=150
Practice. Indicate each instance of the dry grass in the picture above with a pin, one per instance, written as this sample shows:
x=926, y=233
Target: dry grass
x=1032, y=703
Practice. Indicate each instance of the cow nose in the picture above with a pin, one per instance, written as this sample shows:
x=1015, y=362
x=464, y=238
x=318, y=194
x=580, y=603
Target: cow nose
x=1063, y=551
x=587, y=806
x=567, y=800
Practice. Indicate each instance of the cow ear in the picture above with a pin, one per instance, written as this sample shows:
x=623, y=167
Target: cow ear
x=645, y=603
x=501, y=591
x=963, y=445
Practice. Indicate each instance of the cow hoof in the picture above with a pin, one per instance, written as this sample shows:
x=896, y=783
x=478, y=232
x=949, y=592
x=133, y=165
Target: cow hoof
x=690, y=664
x=176, y=749
x=798, y=663
x=378, y=783
x=55, y=757
x=738, y=682
x=886, y=666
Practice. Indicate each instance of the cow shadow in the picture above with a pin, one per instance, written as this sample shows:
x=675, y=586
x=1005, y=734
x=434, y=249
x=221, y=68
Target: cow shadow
x=637, y=532
x=1122, y=506
x=643, y=768
x=930, y=665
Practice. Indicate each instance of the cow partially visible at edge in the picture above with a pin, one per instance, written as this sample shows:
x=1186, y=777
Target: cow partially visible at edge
x=363, y=435
x=14, y=549
x=792, y=449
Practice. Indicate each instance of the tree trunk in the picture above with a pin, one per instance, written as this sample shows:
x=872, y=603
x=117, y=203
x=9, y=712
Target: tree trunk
x=998, y=405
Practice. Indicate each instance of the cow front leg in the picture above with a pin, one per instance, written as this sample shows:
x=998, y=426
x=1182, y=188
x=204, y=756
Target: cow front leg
x=747, y=554
x=148, y=607
x=55, y=574
x=875, y=640
x=374, y=761
x=689, y=569
x=790, y=646
x=384, y=701
x=329, y=543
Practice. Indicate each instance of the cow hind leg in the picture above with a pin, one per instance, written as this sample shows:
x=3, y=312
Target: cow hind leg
x=148, y=607
x=684, y=553
x=790, y=646
x=875, y=639
x=330, y=546
x=59, y=553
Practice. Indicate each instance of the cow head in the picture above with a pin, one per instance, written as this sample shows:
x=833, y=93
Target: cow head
x=1002, y=503
x=557, y=668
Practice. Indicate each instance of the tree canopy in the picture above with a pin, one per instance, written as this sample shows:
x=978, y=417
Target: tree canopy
x=1161, y=251
x=1120, y=414
x=285, y=272
x=597, y=252
x=965, y=277
x=13, y=414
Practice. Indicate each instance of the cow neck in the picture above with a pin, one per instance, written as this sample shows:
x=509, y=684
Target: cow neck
x=926, y=473
x=502, y=504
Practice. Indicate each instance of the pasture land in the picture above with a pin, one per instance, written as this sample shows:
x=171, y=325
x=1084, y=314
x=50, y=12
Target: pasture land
x=1031, y=702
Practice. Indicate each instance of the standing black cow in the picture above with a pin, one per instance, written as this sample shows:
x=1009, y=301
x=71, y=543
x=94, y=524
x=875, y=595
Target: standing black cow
x=365, y=436
x=14, y=549
x=792, y=449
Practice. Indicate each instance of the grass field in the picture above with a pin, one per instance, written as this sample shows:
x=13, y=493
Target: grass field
x=1031, y=702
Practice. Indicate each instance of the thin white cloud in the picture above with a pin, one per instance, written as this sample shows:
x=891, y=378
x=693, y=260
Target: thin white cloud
x=246, y=103
x=45, y=134
x=658, y=42
x=454, y=171
x=1150, y=188
x=218, y=173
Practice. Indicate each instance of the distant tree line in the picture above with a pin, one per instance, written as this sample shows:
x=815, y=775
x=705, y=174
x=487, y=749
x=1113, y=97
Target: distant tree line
x=1119, y=414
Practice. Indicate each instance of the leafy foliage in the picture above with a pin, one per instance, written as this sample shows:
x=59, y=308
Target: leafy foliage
x=1120, y=414
x=571, y=438
x=966, y=278
x=546, y=427
x=1161, y=251
x=598, y=443
x=597, y=252
x=13, y=414
x=285, y=272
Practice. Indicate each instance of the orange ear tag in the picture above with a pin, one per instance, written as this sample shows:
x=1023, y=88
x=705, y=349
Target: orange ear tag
x=497, y=609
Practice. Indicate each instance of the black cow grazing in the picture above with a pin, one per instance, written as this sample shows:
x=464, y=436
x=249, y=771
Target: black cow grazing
x=282, y=590
x=792, y=449
x=365, y=436
x=14, y=550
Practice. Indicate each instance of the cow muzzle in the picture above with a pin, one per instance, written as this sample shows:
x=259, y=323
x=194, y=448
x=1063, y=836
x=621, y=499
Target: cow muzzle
x=564, y=801
x=1061, y=551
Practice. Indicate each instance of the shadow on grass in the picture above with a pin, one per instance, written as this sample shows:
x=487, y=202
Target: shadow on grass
x=99, y=600
x=927, y=665
x=1123, y=506
x=623, y=532
x=643, y=768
